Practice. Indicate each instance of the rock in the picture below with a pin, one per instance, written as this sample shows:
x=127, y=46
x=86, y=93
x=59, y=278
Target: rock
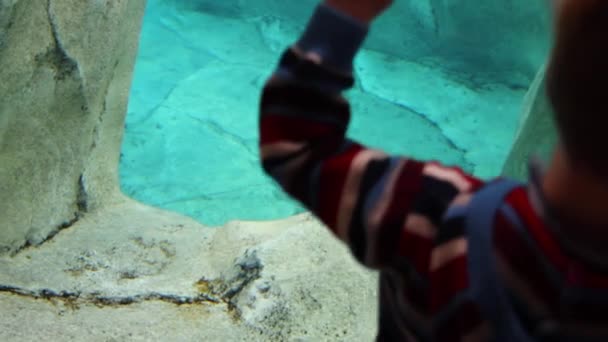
x=536, y=133
x=128, y=264
x=66, y=69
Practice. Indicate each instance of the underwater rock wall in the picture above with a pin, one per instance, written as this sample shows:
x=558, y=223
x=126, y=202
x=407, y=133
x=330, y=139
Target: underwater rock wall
x=431, y=78
x=502, y=39
x=66, y=68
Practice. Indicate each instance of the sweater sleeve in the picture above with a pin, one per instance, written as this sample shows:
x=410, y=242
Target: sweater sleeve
x=363, y=195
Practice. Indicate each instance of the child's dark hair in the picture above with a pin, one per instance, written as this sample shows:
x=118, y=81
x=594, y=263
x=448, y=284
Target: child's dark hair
x=577, y=82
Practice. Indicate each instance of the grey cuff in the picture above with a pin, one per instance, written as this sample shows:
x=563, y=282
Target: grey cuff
x=334, y=36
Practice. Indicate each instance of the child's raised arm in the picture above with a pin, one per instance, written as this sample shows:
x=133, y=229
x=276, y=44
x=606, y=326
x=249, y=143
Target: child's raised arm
x=386, y=208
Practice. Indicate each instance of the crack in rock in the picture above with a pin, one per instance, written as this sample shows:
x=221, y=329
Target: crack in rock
x=451, y=143
x=81, y=199
x=75, y=299
x=425, y=117
x=104, y=108
x=218, y=291
x=225, y=134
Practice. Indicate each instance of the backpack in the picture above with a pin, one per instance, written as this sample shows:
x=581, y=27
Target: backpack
x=485, y=288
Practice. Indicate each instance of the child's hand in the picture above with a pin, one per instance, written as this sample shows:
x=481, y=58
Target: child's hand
x=364, y=10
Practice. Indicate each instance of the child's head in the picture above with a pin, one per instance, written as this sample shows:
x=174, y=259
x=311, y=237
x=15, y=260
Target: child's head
x=577, y=82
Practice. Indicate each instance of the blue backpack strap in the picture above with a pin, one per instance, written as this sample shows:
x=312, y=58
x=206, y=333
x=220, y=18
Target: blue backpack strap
x=485, y=287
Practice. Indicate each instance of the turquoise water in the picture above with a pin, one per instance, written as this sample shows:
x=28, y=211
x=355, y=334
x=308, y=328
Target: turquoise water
x=432, y=82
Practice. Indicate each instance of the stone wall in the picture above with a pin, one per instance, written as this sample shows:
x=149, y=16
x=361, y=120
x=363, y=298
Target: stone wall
x=66, y=69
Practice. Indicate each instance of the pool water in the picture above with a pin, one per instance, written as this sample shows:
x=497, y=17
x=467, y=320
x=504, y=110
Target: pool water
x=190, y=141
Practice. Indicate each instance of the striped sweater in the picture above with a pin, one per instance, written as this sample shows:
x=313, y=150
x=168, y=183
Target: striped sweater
x=390, y=210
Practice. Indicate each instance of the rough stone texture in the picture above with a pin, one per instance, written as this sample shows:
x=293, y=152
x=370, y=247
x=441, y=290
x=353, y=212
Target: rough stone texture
x=536, y=134
x=132, y=272
x=65, y=68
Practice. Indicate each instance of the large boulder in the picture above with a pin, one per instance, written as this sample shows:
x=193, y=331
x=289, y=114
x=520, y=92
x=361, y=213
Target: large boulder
x=536, y=134
x=66, y=68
